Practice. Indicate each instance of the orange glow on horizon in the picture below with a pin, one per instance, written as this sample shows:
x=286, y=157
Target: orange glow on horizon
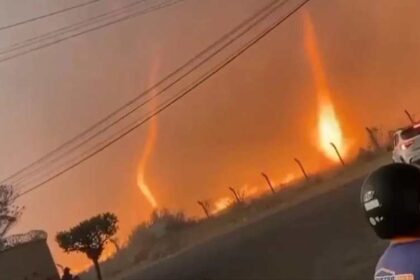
x=221, y=204
x=250, y=192
x=329, y=128
x=289, y=178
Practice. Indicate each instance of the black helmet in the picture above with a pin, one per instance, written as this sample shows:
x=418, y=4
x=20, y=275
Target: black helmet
x=390, y=199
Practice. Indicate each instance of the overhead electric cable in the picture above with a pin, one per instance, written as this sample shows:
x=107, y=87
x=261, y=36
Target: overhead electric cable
x=147, y=91
x=80, y=33
x=57, y=12
x=72, y=27
x=194, y=85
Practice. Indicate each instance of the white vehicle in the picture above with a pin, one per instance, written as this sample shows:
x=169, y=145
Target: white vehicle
x=407, y=145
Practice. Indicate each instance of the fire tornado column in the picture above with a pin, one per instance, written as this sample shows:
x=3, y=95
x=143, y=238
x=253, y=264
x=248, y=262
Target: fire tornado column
x=329, y=128
x=148, y=148
x=141, y=183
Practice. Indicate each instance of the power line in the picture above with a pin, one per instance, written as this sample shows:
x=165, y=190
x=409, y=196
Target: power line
x=48, y=15
x=181, y=95
x=84, y=132
x=69, y=28
x=127, y=17
x=206, y=60
x=54, y=160
x=143, y=94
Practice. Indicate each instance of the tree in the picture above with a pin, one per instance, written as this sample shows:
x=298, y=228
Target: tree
x=9, y=212
x=90, y=237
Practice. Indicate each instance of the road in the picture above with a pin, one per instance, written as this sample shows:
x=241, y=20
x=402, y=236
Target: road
x=324, y=238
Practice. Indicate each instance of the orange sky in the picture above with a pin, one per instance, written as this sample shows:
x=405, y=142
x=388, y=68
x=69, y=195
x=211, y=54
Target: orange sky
x=256, y=115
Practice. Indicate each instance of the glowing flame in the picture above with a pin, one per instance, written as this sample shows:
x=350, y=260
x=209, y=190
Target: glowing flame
x=250, y=191
x=146, y=190
x=289, y=178
x=109, y=252
x=221, y=204
x=147, y=151
x=224, y=202
x=329, y=129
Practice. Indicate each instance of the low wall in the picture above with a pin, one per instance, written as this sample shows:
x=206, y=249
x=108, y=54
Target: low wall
x=31, y=260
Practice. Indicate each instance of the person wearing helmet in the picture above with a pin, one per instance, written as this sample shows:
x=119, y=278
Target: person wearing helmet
x=390, y=199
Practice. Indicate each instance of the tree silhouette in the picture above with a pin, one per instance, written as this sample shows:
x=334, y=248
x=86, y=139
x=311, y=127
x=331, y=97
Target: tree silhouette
x=9, y=212
x=90, y=237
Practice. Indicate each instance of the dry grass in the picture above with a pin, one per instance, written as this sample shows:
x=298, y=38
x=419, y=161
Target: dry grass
x=146, y=246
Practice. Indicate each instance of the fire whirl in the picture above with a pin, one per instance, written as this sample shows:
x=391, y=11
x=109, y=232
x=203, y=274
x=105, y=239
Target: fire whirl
x=329, y=128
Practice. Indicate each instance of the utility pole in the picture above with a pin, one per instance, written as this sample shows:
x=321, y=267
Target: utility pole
x=302, y=169
x=338, y=153
x=268, y=182
x=410, y=117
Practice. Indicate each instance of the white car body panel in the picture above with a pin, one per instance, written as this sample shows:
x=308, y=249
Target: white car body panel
x=407, y=150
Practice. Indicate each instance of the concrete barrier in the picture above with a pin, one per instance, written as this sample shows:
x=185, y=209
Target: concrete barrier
x=28, y=260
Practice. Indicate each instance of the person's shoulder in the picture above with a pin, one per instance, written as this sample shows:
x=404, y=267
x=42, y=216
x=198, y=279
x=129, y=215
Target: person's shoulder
x=399, y=260
x=410, y=250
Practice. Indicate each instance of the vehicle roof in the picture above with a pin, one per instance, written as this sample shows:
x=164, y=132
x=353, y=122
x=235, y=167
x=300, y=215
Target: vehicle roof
x=416, y=125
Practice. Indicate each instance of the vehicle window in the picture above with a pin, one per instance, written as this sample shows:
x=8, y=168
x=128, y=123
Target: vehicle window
x=410, y=133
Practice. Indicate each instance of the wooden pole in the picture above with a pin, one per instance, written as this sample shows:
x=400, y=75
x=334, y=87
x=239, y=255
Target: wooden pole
x=302, y=169
x=205, y=207
x=338, y=153
x=268, y=182
x=410, y=117
x=235, y=193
